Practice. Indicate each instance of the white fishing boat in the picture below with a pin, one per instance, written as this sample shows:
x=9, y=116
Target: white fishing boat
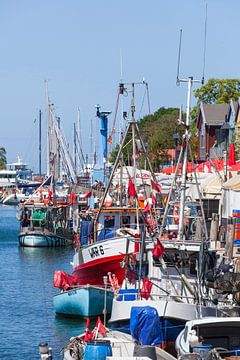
x=173, y=281
x=103, y=343
x=116, y=222
x=210, y=336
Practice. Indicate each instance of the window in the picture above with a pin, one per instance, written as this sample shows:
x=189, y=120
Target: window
x=125, y=221
x=109, y=221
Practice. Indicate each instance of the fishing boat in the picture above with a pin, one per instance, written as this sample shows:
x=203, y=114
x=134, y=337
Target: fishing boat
x=170, y=268
x=115, y=224
x=83, y=301
x=44, y=225
x=210, y=337
x=47, y=218
x=103, y=343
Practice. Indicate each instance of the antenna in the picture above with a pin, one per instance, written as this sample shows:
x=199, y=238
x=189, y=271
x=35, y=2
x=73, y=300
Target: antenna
x=204, y=46
x=179, y=56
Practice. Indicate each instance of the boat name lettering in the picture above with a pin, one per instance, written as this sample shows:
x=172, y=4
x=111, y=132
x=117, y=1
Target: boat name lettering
x=96, y=251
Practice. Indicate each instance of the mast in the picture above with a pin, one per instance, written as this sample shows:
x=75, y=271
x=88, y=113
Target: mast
x=79, y=136
x=75, y=146
x=48, y=127
x=40, y=142
x=184, y=166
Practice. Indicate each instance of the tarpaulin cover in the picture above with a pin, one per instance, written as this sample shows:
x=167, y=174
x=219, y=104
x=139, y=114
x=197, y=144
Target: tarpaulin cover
x=63, y=280
x=107, y=233
x=145, y=325
x=86, y=230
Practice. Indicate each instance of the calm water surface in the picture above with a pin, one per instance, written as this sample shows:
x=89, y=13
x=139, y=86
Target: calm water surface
x=26, y=295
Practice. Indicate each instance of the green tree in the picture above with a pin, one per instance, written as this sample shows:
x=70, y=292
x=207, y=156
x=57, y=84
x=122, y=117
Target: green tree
x=218, y=91
x=157, y=132
x=3, y=159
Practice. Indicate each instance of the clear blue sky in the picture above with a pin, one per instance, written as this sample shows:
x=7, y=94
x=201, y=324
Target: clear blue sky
x=75, y=45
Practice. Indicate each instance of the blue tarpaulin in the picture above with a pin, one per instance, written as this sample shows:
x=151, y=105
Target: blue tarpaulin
x=106, y=233
x=86, y=231
x=145, y=325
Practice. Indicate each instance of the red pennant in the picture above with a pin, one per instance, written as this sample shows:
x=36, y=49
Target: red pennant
x=88, y=323
x=231, y=155
x=147, y=208
x=89, y=335
x=154, y=200
x=49, y=195
x=146, y=288
x=158, y=250
x=100, y=327
x=156, y=186
x=131, y=189
x=88, y=195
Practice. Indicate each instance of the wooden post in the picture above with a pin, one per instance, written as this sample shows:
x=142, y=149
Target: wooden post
x=229, y=239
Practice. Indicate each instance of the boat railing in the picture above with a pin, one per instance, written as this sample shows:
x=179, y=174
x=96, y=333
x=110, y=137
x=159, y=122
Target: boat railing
x=134, y=295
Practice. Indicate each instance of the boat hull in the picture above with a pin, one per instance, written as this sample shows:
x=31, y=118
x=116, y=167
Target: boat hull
x=43, y=240
x=173, y=315
x=96, y=260
x=86, y=301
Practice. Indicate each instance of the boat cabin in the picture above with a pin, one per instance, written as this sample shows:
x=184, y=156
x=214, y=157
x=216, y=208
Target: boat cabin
x=214, y=332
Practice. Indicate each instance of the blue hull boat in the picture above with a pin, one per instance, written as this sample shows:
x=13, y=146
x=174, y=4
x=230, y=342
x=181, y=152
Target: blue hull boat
x=83, y=301
x=42, y=240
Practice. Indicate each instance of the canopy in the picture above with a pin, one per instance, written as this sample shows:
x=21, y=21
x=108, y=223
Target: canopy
x=207, y=167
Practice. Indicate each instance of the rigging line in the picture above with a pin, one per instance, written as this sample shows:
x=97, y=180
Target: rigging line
x=142, y=103
x=115, y=115
x=204, y=46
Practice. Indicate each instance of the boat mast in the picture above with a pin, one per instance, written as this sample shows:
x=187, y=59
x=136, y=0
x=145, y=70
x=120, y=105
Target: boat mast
x=40, y=143
x=48, y=126
x=184, y=166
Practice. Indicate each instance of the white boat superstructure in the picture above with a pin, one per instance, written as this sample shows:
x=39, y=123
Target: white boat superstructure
x=206, y=334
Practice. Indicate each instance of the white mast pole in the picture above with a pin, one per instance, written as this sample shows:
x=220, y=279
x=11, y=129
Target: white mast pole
x=79, y=137
x=184, y=166
x=48, y=126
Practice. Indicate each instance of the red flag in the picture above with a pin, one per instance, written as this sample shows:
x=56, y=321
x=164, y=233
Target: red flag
x=89, y=335
x=88, y=195
x=131, y=189
x=156, y=186
x=146, y=288
x=154, y=200
x=231, y=155
x=147, y=208
x=158, y=250
x=100, y=327
x=87, y=324
x=49, y=195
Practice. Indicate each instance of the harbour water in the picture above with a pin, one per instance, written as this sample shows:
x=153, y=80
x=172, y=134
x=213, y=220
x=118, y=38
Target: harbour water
x=26, y=295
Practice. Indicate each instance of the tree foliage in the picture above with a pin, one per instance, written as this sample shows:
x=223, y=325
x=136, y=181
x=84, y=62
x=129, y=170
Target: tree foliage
x=157, y=132
x=218, y=91
x=3, y=159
